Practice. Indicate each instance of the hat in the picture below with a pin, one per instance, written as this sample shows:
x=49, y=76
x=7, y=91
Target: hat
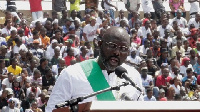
x=161, y=91
x=144, y=68
x=164, y=50
x=11, y=100
x=92, y=17
x=69, y=40
x=133, y=49
x=54, y=41
x=4, y=43
x=47, y=96
x=164, y=64
x=10, y=91
x=3, y=47
x=36, y=41
x=71, y=28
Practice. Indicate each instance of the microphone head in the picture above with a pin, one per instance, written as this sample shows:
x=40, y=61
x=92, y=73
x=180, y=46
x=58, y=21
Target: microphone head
x=119, y=71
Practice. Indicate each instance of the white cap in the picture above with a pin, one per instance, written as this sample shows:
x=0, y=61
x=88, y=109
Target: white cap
x=54, y=41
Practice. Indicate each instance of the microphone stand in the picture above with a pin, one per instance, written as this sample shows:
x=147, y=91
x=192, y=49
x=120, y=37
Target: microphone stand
x=73, y=103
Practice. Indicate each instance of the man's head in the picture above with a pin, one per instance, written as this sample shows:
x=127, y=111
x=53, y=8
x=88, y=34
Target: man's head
x=176, y=70
x=165, y=22
x=74, y=13
x=165, y=72
x=92, y=21
x=146, y=43
x=121, y=12
x=36, y=43
x=114, y=48
x=133, y=52
x=84, y=50
x=33, y=63
x=62, y=62
x=48, y=24
x=31, y=96
x=149, y=93
x=36, y=74
x=197, y=16
x=44, y=62
x=43, y=31
x=179, y=13
x=147, y=24
x=38, y=24
x=57, y=51
x=64, y=13
x=11, y=103
x=10, y=77
x=179, y=43
x=192, y=53
x=70, y=52
x=189, y=72
x=167, y=32
x=164, y=53
x=54, y=43
x=144, y=71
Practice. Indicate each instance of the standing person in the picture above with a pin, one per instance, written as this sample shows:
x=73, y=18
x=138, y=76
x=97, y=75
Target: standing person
x=194, y=7
x=148, y=7
x=75, y=5
x=36, y=9
x=131, y=7
x=58, y=6
x=114, y=49
x=108, y=6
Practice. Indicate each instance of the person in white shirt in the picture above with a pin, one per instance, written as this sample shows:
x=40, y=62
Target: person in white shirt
x=165, y=25
x=194, y=7
x=184, y=65
x=195, y=20
x=100, y=17
x=148, y=7
x=168, y=38
x=73, y=82
x=19, y=46
x=149, y=96
x=132, y=6
x=121, y=17
x=133, y=59
x=182, y=22
x=109, y=7
x=50, y=49
x=175, y=72
x=144, y=30
x=89, y=31
x=176, y=85
x=8, y=28
x=7, y=82
x=142, y=50
x=36, y=90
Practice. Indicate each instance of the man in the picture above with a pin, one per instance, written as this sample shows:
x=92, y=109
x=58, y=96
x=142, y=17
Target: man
x=108, y=6
x=194, y=21
x=121, y=17
x=162, y=81
x=38, y=52
x=11, y=106
x=36, y=9
x=182, y=22
x=131, y=6
x=113, y=52
x=194, y=7
x=58, y=6
x=148, y=7
x=144, y=30
x=178, y=47
x=133, y=59
x=165, y=25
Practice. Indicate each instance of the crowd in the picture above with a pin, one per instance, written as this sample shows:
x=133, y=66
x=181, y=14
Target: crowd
x=164, y=49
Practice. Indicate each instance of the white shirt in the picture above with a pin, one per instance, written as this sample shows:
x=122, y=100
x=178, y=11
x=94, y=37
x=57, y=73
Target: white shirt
x=99, y=20
x=133, y=4
x=194, y=7
x=106, y=6
x=37, y=94
x=16, y=49
x=90, y=52
x=147, y=99
x=142, y=50
x=49, y=52
x=182, y=22
x=142, y=31
x=172, y=75
x=193, y=21
x=145, y=82
x=147, y=6
x=183, y=69
x=118, y=22
x=162, y=30
x=7, y=83
x=135, y=60
x=7, y=31
x=72, y=83
x=177, y=89
x=90, y=31
x=55, y=69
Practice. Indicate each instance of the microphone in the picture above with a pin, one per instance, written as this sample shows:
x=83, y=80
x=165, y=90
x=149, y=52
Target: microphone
x=125, y=97
x=121, y=73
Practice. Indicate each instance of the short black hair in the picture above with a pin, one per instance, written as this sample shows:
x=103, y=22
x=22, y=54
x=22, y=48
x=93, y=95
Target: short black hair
x=43, y=60
x=149, y=89
x=56, y=31
x=35, y=32
x=188, y=70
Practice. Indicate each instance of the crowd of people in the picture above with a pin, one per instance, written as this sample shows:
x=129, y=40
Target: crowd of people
x=164, y=49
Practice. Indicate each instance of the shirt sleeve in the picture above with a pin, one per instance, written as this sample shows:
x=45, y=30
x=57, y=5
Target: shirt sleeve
x=158, y=82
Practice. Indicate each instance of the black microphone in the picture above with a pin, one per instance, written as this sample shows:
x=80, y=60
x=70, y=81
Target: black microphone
x=121, y=73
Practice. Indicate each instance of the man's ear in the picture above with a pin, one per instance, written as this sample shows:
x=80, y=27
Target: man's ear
x=100, y=43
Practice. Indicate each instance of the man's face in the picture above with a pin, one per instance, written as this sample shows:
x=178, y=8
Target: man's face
x=58, y=35
x=11, y=104
x=144, y=72
x=45, y=63
x=112, y=56
x=179, y=14
x=165, y=72
x=74, y=13
x=147, y=24
x=93, y=22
